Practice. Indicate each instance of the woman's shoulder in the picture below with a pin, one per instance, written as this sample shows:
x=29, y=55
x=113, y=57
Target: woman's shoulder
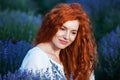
x=36, y=54
x=35, y=59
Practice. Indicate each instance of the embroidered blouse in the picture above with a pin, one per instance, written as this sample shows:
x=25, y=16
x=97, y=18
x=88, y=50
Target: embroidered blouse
x=37, y=60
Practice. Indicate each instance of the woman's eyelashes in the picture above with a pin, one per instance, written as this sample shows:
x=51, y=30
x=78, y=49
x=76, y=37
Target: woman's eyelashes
x=63, y=28
x=74, y=32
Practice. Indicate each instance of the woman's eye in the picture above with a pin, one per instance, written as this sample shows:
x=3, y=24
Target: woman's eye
x=74, y=33
x=62, y=29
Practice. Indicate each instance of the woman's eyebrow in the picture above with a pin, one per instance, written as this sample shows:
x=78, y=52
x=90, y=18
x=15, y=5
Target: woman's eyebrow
x=66, y=28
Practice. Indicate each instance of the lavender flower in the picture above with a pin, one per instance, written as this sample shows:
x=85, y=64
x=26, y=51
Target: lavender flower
x=12, y=54
x=109, y=56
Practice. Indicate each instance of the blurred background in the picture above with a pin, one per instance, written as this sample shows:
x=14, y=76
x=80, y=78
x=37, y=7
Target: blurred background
x=20, y=19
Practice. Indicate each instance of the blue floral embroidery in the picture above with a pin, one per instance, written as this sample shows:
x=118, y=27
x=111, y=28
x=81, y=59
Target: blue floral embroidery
x=58, y=74
x=52, y=73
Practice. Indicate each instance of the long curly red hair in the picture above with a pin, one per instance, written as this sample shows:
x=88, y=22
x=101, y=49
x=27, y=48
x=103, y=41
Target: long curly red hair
x=78, y=58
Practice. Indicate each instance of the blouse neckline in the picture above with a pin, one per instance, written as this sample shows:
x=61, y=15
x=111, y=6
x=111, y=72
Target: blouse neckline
x=50, y=58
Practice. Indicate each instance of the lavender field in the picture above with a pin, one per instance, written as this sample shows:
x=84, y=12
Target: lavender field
x=19, y=23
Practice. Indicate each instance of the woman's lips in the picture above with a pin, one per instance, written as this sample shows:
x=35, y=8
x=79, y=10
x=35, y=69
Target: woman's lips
x=63, y=42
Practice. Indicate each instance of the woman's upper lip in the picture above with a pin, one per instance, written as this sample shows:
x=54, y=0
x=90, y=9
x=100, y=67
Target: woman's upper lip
x=63, y=41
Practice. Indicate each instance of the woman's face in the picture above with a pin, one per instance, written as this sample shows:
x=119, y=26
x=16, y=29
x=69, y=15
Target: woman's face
x=66, y=34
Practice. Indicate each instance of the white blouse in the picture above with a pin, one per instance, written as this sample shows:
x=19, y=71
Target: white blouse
x=37, y=60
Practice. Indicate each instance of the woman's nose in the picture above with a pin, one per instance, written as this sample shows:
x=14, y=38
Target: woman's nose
x=67, y=35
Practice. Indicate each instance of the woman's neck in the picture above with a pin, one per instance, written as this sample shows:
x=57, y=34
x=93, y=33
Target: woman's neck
x=49, y=48
x=51, y=51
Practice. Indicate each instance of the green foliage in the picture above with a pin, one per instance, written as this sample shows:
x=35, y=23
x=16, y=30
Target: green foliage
x=16, y=25
x=45, y=5
x=105, y=16
x=22, y=5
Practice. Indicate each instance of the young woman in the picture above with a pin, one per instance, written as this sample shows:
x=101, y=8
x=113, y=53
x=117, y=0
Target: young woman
x=64, y=46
